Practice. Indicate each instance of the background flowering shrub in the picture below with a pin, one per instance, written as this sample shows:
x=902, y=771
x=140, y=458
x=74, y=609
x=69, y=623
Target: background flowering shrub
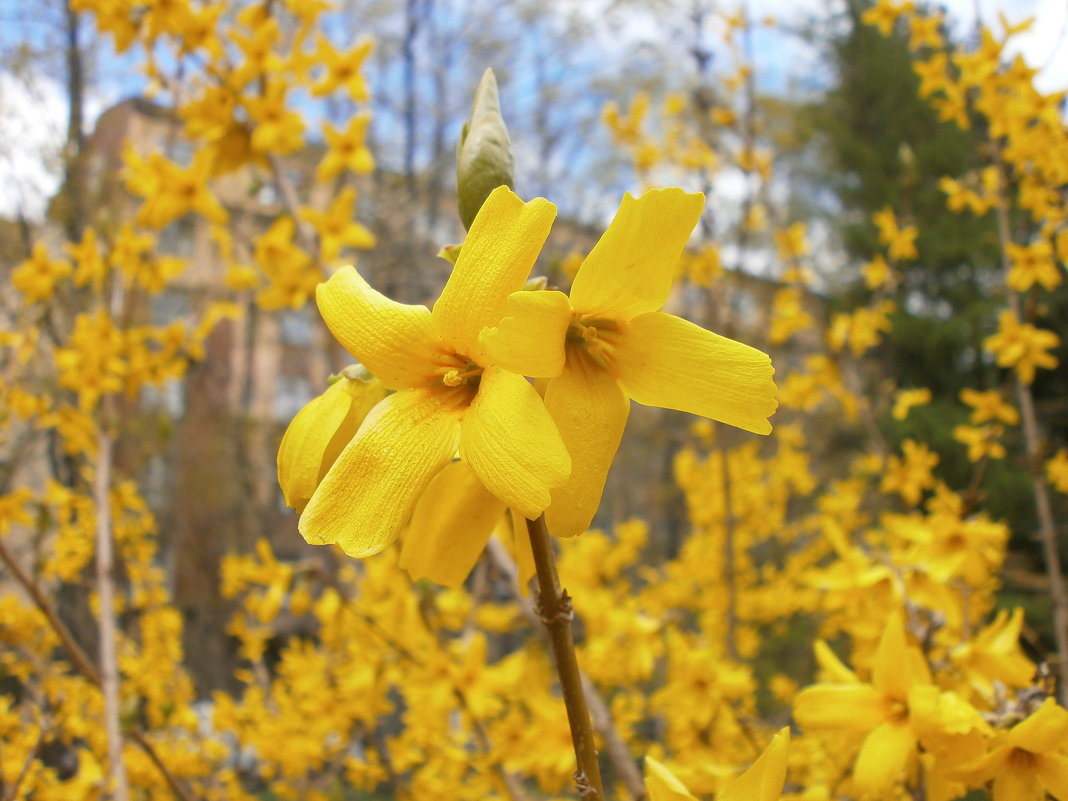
x=881, y=573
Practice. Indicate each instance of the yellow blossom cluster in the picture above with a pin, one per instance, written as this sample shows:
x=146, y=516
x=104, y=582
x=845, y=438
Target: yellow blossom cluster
x=823, y=579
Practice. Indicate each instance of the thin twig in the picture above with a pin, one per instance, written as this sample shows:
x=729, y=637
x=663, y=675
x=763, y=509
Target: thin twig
x=615, y=746
x=729, y=578
x=81, y=662
x=24, y=772
x=109, y=631
x=554, y=608
x=1033, y=443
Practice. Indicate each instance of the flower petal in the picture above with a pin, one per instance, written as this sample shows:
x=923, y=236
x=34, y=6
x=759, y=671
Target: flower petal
x=765, y=777
x=1015, y=784
x=630, y=270
x=890, y=674
x=666, y=361
x=529, y=339
x=662, y=784
x=495, y=260
x=451, y=523
x=396, y=342
x=839, y=706
x=319, y=432
x=1052, y=771
x=512, y=531
x=512, y=443
x=591, y=412
x=883, y=757
x=368, y=495
x=1045, y=730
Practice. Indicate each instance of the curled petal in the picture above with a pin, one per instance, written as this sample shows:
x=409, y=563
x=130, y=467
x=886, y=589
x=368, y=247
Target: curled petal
x=512, y=443
x=663, y=360
x=319, y=432
x=396, y=342
x=368, y=495
x=529, y=340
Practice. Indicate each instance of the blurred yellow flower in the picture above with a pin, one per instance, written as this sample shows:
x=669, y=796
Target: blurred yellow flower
x=763, y=780
x=1022, y=346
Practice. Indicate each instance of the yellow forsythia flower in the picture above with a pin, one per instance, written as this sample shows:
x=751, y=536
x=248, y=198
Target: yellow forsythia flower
x=608, y=343
x=761, y=782
x=449, y=392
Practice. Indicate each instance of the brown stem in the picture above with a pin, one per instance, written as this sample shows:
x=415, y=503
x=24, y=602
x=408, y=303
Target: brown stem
x=1033, y=442
x=81, y=662
x=77, y=655
x=291, y=201
x=728, y=559
x=554, y=608
x=615, y=746
x=109, y=661
x=24, y=772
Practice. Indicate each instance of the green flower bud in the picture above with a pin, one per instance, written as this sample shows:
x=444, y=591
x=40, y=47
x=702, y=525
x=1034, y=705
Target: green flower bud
x=484, y=157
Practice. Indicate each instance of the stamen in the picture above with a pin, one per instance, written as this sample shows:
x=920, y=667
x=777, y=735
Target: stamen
x=453, y=378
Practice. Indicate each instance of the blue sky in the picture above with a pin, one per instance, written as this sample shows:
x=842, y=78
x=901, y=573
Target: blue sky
x=617, y=40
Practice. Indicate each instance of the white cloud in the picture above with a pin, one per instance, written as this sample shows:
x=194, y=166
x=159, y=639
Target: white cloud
x=32, y=119
x=33, y=125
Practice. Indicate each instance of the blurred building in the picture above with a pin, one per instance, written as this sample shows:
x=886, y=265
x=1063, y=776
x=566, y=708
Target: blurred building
x=204, y=448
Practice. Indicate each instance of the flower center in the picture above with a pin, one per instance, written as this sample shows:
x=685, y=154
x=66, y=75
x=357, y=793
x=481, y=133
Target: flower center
x=591, y=342
x=456, y=380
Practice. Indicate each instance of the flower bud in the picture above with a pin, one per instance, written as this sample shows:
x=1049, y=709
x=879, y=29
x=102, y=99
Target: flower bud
x=320, y=431
x=484, y=157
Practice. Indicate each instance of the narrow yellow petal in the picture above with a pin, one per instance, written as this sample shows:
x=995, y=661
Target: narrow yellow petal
x=1045, y=730
x=1016, y=784
x=512, y=531
x=839, y=706
x=529, y=340
x=396, y=342
x=666, y=361
x=591, y=412
x=368, y=495
x=512, y=443
x=883, y=756
x=630, y=270
x=319, y=432
x=764, y=779
x=451, y=523
x=1052, y=772
x=833, y=668
x=524, y=554
x=890, y=674
x=495, y=260
x=662, y=784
